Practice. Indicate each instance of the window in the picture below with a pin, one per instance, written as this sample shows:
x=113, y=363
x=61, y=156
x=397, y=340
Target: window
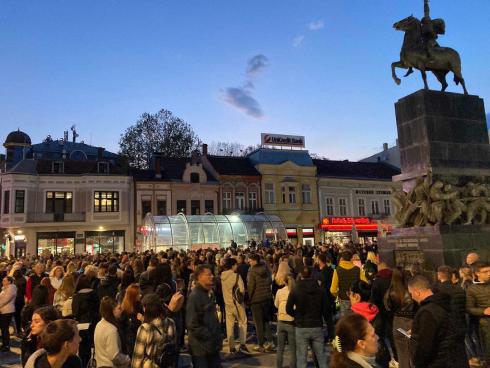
x=226, y=200
x=58, y=167
x=252, y=200
x=239, y=200
x=19, y=201
x=145, y=207
x=306, y=193
x=329, y=203
x=283, y=194
x=195, y=207
x=59, y=202
x=209, y=206
x=103, y=167
x=375, y=207
x=292, y=195
x=161, y=207
x=387, y=207
x=269, y=193
x=342, y=207
x=107, y=202
x=361, y=207
x=6, y=202
x=182, y=206
x=194, y=177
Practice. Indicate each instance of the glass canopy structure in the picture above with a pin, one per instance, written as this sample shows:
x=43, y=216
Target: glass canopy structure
x=203, y=231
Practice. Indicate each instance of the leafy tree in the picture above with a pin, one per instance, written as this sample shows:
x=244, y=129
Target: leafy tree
x=161, y=132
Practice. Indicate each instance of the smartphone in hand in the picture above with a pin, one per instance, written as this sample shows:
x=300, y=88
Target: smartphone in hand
x=404, y=333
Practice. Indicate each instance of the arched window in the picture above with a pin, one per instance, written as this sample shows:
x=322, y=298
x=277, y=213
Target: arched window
x=194, y=177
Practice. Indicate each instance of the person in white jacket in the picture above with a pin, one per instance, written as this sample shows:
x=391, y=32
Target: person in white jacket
x=108, y=351
x=285, y=322
x=235, y=311
x=7, y=310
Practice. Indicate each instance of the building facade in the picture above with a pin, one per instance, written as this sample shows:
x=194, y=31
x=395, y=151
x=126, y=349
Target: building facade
x=289, y=190
x=61, y=205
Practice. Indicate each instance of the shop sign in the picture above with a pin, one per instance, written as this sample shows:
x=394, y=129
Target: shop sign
x=308, y=232
x=292, y=232
x=347, y=224
x=283, y=140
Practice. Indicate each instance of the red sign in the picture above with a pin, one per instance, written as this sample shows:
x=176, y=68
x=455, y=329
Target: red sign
x=292, y=233
x=346, y=224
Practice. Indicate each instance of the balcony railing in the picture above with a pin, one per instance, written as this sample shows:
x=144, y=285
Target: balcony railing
x=55, y=217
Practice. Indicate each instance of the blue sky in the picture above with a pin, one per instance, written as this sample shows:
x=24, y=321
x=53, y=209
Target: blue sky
x=321, y=68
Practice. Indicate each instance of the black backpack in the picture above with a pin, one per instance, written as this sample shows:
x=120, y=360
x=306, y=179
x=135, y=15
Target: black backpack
x=236, y=294
x=167, y=351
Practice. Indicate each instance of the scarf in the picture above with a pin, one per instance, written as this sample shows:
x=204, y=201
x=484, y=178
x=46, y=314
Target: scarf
x=363, y=361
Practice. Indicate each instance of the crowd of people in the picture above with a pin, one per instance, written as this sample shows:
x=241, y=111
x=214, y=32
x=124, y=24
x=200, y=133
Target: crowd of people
x=143, y=310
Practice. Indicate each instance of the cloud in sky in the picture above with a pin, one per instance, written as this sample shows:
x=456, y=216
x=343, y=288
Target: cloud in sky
x=316, y=25
x=241, y=98
x=298, y=40
x=256, y=64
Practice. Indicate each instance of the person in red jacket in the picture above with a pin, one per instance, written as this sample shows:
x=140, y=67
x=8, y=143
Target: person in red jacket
x=34, y=280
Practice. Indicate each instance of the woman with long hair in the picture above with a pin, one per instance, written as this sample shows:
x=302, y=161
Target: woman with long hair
x=131, y=309
x=7, y=309
x=56, y=277
x=356, y=343
x=20, y=282
x=285, y=322
x=46, y=281
x=63, y=297
x=109, y=350
x=400, y=305
x=32, y=337
x=40, y=298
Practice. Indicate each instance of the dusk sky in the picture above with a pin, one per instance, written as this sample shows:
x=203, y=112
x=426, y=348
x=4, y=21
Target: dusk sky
x=232, y=69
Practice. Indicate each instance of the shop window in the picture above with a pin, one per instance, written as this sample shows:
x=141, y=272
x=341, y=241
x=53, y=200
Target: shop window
x=161, y=207
x=252, y=200
x=106, y=201
x=329, y=206
x=292, y=195
x=361, y=206
x=226, y=200
x=145, y=207
x=194, y=177
x=104, y=241
x=56, y=243
x=209, y=206
x=239, y=200
x=342, y=207
x=6, y=202
x=306, y=193
x=59, y=202
x=387, y=207
x=195, y=207
x=19, y=201
x=269, y=193
x=181, y=206
x=375, y=207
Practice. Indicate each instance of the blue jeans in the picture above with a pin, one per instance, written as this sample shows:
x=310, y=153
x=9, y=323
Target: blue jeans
x=285, y=330
x=312, y=337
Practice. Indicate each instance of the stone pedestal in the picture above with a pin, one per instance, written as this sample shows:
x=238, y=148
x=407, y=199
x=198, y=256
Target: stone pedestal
x=446, y=134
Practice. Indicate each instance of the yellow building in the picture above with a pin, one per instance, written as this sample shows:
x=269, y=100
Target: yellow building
x=289, y=190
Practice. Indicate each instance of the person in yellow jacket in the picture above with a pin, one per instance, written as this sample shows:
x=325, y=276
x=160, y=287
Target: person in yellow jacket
x=344, y=275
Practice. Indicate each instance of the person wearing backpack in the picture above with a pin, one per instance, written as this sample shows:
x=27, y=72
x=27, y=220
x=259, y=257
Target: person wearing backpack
x=233, y=294
x=156, y=340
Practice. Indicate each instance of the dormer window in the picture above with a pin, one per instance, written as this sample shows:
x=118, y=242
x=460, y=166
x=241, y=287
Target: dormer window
x=58, y=167
x=194, y=177
x=103, y=167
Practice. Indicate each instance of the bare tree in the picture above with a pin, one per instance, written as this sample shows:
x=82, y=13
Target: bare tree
x=233, y=149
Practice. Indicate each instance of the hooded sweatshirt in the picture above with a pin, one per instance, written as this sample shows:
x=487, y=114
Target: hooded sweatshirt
x=368, y=310
x=228, y=280
x=307, y=304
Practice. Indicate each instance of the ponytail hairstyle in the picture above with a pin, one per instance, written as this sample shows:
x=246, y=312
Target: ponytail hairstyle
x=349, y=330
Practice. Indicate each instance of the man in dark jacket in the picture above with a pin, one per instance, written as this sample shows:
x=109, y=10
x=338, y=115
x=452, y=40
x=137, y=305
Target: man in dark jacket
x=308, y=306
x=478, y=303
x=109, y=283
x=433, y=335
x=259, y=282
x=205, y=341
x=326, y=275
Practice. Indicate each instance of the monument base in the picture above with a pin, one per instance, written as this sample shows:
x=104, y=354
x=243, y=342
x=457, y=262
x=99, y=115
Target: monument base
x=433, y=246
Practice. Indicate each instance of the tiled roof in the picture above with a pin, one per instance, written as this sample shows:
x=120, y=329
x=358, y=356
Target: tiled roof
x=172, y=170
x=355, y=170
x=276, y=157
x=70, y=167
x=226, y=165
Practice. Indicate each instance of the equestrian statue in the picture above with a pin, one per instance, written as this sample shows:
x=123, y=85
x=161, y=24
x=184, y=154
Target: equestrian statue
x=420, y=50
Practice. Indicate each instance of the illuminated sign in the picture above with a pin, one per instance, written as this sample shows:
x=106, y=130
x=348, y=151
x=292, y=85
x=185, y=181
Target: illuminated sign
x=308, y=231
x=347, y=224
x=292, y=232
x=282, y=140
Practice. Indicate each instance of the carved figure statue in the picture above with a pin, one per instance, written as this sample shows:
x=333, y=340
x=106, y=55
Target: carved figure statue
x=421, y=51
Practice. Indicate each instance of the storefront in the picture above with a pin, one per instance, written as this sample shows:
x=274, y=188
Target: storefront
x=110, y=241
x=308, y=235
x=342, y=230
x=53, y=242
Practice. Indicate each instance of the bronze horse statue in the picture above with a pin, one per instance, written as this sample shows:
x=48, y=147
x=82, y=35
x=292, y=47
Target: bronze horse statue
x=414, y=54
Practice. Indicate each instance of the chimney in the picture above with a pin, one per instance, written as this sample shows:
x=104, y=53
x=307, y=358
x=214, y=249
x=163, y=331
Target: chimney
x=385, y=147
x=100, y=153
x=158, y=167
x=204, y=149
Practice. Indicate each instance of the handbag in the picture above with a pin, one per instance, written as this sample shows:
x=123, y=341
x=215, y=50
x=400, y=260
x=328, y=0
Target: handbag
x=236, y=294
